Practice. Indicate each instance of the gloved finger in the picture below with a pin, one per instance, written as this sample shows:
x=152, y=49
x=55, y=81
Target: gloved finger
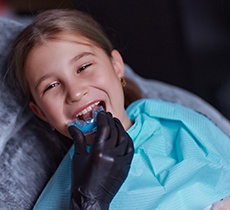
x=122, y=139
x=125, y=163
x=121, y=131
x=123, y=136
x=113, y=136
x=103, y=129
x=130, y=147
x=78, y=139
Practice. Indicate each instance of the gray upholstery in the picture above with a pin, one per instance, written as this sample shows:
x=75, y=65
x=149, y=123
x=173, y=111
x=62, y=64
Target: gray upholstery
x=30, y=152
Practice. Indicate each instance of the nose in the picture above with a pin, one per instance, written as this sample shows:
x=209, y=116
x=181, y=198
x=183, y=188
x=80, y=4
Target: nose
x=75, y=92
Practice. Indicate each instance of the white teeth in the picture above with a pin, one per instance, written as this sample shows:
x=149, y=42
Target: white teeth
x=84, y=111
x=87, y=109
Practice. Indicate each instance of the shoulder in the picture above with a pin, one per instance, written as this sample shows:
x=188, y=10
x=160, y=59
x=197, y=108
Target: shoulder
x=158, y=107
x=167, y=111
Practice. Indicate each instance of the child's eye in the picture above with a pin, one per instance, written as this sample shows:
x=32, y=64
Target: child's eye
x=83, y=67
x=52, y=85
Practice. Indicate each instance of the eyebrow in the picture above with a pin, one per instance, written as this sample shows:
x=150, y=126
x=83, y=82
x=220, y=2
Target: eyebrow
x=41, y=79
x=74, y=59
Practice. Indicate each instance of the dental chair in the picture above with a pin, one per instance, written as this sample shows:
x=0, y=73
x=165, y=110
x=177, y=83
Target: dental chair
x=30, y=151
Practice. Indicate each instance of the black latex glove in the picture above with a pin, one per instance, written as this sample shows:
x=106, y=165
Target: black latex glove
x=97, y=175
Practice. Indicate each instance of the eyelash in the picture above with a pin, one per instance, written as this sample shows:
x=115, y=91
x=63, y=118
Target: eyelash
x=52, y=85
x=82, y=68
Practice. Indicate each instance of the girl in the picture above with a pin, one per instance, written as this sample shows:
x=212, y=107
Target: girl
x=67, y=67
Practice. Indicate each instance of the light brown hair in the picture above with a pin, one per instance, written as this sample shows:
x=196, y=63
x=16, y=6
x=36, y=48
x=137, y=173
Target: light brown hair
x=44, y=27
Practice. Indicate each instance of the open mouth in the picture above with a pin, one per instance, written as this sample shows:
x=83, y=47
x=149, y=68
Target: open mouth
x=86, y=120
x=88, y=111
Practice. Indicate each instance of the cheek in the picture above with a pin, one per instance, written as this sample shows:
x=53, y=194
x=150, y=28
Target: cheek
x=51, y=110
x=117, y=99
x=64, y=131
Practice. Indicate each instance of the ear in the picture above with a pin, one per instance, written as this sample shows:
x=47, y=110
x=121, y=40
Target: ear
x=118, y=63
x=36, y=109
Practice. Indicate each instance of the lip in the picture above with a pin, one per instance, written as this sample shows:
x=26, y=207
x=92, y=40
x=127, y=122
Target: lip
x=86, y=105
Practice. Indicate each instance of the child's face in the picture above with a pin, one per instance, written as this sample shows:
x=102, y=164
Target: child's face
x=68, y=74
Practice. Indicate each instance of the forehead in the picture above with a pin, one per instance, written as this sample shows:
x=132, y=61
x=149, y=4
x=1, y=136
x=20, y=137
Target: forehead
x=57, y=50
x=61, y=41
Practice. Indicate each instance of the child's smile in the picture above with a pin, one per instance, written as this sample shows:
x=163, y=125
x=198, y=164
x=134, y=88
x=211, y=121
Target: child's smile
x=86, y=120
x=69, y=77
x=87, y=112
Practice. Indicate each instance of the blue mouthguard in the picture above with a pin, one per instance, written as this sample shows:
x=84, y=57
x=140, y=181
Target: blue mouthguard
x=90, y=125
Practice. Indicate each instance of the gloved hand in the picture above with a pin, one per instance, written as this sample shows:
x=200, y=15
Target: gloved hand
x=98, y=174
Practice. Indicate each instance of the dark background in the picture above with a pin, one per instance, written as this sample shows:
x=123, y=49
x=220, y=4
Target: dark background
x=181, y=42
